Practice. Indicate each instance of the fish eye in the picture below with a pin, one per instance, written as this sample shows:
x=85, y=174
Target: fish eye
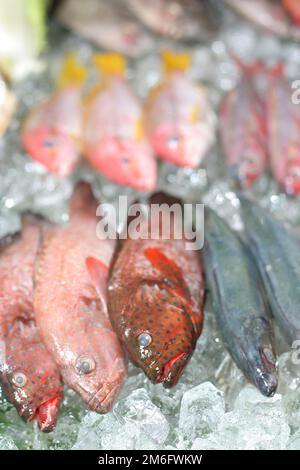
x=173, y=141
x=144, y=339
x=49, y=143
x=19, y=379
x=85, y=365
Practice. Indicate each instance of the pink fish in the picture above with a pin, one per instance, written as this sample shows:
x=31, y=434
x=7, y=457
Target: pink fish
x=114, y=139
x=178, y=118
x=28, y=374
x=283, y=117
x=243, y=129
x=52, y=133
x=70, y=304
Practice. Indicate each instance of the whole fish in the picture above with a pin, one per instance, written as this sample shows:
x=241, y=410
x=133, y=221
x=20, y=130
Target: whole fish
x=106, y=24
x=28, y=374
x=70, y=305
x=268, y=14
x=52, y=133
x=277, y=254
x=7, y=103
x=178, y=19
x=239, y=304
x=243, y=129
x=293, y=8
x=179, y=120
x=115, y=143
x=283, y=118
x=155, y=300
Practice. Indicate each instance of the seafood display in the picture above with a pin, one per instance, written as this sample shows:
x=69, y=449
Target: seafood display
x=178, y=118
x=243, y=129
x=52, y=133
x=70, y=305
x=28, y=373
x=114, y=137
x=150, y=226
x=155, y=300
x=239, y=304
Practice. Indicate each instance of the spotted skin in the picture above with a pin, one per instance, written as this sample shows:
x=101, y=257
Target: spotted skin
x=28, y=374
x=70, y=304
x=144, y=298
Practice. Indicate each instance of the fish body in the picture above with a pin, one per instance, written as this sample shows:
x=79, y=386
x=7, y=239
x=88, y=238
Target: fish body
x=28, y=374
x=243, y=131
x=52, y=132
x=283, y=117
x=239, y=304
x=178, y=19
x=115, y=143
x=277, y=255
x=178, y=118
x=268, y=14
x=155, y=301
x=293, y=8
x=70, y=304
x=7, y=104
x=106, y=24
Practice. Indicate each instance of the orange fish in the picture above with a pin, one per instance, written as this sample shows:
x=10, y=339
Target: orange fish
x=155, y=301
x=52, y=133
x=178, y=118
x=293, y=8
x=70, y=304
x=28, y=374
x=113, y=130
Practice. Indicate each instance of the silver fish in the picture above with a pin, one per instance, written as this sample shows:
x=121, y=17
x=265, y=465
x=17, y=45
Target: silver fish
x=239, y=304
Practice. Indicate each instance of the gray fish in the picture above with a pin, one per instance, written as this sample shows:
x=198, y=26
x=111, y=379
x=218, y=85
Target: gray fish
x=239, y=304
x=277, y=254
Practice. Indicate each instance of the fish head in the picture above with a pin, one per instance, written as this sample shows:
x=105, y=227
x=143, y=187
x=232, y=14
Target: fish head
x=56, y=151
x=180, y=145
x=29, y=376
x=127, y=162
x=292, y=179
x=159, y=335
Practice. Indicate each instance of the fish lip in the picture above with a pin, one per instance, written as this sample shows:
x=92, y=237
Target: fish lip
x=165, y=376
x=267, y=383
x=99, y=401
x=49, y=424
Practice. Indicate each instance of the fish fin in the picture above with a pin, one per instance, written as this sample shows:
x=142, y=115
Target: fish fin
x=175, y=61
x=247, y=69
x=98, y=272
x=72, y=72
x=276, y=71
x=110, y=63
x=172, y=274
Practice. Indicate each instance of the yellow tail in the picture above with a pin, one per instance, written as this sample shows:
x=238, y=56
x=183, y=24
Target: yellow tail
x=174, y=61
x=72, y=71
x=110, y=63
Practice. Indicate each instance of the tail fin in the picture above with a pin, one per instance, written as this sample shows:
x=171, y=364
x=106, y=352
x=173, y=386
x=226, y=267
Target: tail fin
x=110, y=63
x=83, y=199
x=175, y=61
x=72, y=71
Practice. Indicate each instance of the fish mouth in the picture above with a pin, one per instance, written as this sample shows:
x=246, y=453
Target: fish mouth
x=172, y=369
x=102, y=400
x=47, y=414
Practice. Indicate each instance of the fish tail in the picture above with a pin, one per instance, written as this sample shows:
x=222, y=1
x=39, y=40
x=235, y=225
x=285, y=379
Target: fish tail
x=72, y=71
x=174, y=61
x=110, y=63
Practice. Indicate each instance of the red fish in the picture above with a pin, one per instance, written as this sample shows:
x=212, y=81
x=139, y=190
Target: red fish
x=28, y=374
x=178, y=118
x=155, y=301
x=70, y=304
x=293, y=8
x=115, y=143
x=243, y=129
x=283, y=117
x=51, y=134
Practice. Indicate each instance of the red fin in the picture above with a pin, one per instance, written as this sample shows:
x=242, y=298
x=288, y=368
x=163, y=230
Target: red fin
x=99, y=276
x=248, y=69
x=47, y=414
x=172, y=274
x=276, y=71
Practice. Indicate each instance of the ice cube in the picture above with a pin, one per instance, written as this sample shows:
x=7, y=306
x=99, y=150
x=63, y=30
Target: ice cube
x=7, y=443
x=202, y=408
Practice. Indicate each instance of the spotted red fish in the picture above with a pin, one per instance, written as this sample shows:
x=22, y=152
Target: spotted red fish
x=28, y=374
x=155, y=299
x=70, y=304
